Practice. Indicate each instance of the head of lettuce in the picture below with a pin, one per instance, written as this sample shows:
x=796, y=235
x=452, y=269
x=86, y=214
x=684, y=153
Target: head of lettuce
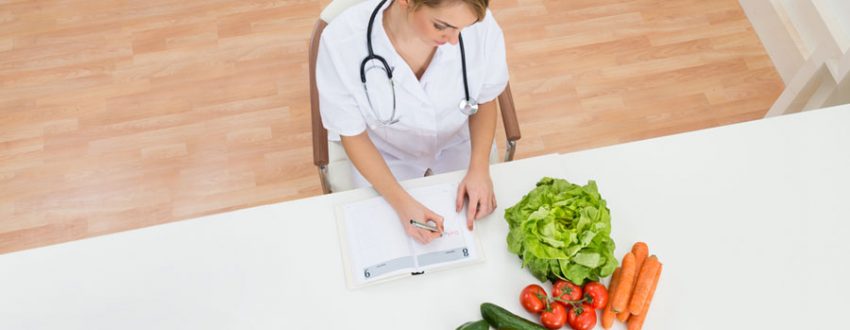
x=562, y=230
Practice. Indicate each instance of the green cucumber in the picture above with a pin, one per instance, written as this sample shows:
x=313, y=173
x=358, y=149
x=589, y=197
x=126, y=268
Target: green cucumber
x=502, y=319
x=479, y=325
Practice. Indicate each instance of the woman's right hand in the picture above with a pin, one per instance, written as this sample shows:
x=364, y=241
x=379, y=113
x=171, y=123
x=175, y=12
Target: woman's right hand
x=409, y=208
x=372, y=166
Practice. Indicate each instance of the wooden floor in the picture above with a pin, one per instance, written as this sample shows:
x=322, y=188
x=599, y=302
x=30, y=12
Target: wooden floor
x=123, y=114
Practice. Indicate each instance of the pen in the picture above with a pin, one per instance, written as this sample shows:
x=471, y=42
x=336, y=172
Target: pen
x=427, y=226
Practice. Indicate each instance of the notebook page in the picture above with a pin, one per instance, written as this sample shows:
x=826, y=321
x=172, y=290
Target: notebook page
x=377, y=244
x=457, y=243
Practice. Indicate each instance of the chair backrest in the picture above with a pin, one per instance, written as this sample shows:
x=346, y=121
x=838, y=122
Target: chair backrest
x=320, y=134
x=335, y=8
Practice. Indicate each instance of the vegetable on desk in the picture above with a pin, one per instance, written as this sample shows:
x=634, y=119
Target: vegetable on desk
x=554, y=316
x=562, y=231
x=608, y=314
x=632, y=288
x=644, y=284
x=567, y=304
x=620, y=298
x=640, y=251
x=502, y=319
x=566, y=290
x=596, y=295
x=582, y=317
x=477, y=325
x=533, y=298
x=636, y=321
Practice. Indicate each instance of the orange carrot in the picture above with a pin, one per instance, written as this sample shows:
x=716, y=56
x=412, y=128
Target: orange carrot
x=641, y=251
x=636, y=321
x=624, y=316
x=608, y=314
x=620, y=298
x=645, y=280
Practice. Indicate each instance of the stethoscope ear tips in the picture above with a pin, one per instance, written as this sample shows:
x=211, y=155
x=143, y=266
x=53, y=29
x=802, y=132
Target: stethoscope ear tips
x=468, y=107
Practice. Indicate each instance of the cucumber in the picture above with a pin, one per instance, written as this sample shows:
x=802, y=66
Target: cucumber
x=502, y=319
x=479, y=325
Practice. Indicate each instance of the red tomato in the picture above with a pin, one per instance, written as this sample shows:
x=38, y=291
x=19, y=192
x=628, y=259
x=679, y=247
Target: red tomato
x=530, y=298
x=597, y=295
x=582, y=317
x=555, y=317
x=566, y=290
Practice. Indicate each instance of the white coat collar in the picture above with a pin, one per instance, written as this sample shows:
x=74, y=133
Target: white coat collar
x=402, y=74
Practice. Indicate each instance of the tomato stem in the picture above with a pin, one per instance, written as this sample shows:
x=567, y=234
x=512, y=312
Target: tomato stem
x=574, y=303
x=545, y=300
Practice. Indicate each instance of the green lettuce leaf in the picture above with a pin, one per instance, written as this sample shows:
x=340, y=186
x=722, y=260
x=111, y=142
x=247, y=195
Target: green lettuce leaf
x=562, y=230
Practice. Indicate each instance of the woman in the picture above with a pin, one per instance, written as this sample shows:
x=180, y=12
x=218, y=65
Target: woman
x=391, y=75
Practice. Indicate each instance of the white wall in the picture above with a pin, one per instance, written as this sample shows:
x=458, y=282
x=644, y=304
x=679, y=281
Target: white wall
x=808, y=42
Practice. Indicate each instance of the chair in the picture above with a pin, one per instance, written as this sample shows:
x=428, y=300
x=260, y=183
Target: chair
x=330, y=157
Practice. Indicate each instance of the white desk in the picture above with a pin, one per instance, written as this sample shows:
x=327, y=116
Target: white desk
x=751, y=221
x=271, y=267
x=751, y=205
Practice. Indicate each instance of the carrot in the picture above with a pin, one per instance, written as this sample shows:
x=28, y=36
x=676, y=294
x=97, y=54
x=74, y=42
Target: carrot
x=608, y=314
x=620, y=298
x=645, y=280
x=636, y=321
x=641, y=251
x=624, y=316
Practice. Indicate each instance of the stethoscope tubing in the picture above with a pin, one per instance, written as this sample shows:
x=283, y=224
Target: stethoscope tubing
x=468, y=105
x=372, y=55
x=463, y=65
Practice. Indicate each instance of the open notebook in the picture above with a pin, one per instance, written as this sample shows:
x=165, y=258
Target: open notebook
x=375, y=247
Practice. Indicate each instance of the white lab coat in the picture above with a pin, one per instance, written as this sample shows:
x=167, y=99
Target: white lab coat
x=431, y=132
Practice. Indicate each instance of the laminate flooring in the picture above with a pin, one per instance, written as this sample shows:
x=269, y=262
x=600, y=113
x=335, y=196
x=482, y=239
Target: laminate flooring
x=117, y=115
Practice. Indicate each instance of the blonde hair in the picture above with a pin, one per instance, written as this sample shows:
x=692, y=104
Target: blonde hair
x=479, y=7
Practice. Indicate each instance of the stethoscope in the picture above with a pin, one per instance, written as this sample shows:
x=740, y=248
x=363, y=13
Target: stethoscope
x=467, y=106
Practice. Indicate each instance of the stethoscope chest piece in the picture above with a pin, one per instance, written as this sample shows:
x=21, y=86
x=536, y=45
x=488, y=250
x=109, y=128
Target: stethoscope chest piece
x=468, y=106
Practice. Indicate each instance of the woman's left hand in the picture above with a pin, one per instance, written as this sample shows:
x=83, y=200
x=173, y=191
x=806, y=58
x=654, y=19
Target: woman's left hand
x=477, y=188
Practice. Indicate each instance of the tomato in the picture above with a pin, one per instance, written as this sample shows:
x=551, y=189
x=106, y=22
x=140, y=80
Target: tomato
x=597, y=295
x=530, y=298
x=582, y=317
x=566, y=290
x=555, y=317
